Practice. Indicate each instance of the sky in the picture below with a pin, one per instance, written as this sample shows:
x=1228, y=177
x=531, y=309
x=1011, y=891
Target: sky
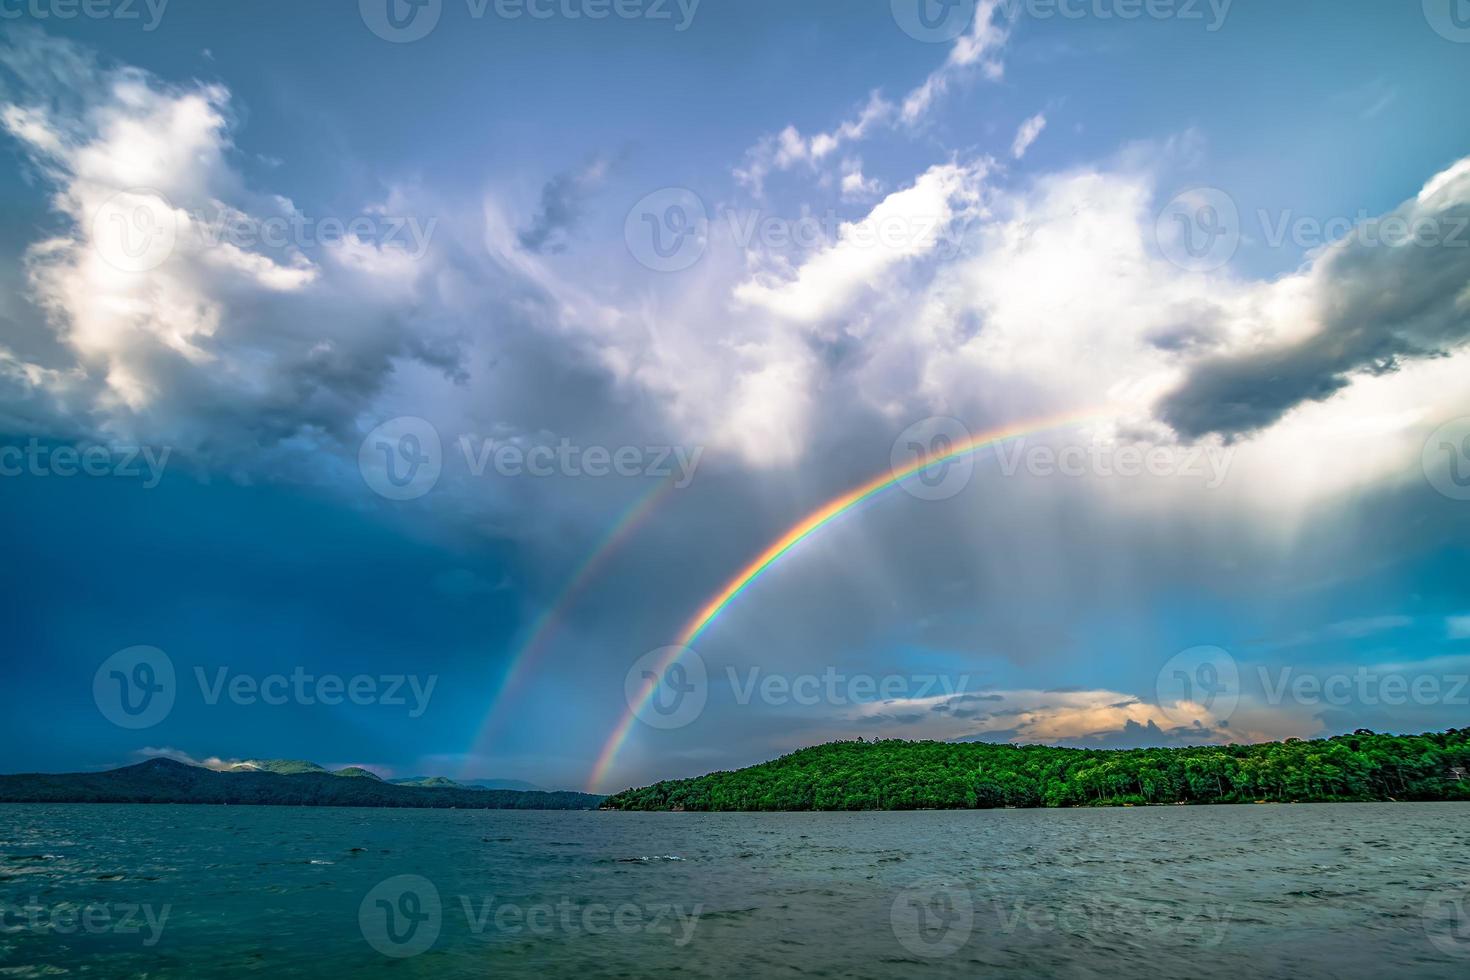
x=393, y=384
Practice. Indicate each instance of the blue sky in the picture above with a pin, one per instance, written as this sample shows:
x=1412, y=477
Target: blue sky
x=1026, y=179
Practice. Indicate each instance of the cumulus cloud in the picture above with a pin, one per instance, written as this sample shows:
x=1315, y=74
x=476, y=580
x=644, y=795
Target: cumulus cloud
x=1080, y=717
x=1097, y=718
x=907, y=224
x=1011, y=283
x=196, y=310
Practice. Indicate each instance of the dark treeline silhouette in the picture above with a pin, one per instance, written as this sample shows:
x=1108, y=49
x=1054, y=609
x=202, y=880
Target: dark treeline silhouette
x=166, y=781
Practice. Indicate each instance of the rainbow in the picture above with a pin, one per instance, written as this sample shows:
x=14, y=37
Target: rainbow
x=538, y=640
x=803, y=529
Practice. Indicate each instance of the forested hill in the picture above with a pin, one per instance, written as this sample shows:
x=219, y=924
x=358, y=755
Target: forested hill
x=898, y=775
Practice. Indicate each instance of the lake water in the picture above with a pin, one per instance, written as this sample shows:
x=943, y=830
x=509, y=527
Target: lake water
x=1354, y=890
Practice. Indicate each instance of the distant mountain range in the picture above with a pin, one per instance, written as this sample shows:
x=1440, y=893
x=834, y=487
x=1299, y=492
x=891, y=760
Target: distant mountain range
x=292, y=767
x=274, y=783
x=514, y=784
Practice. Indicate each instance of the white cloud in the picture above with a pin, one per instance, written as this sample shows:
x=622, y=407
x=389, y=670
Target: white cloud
x=1098, y=717
x=856, y=186
x=907, y=224
x=1054, y=297
x=979, y=48
x=1458, y=627
x=178, y=755
x=946, y=287
x=1027, y=134
x=168, y=285
x=789, y=148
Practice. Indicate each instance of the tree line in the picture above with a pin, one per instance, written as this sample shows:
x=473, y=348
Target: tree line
x=901, y=775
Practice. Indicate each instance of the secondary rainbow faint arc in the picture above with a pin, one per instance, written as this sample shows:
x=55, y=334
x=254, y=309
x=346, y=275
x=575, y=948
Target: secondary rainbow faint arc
x=799, y=532
x=538, y=640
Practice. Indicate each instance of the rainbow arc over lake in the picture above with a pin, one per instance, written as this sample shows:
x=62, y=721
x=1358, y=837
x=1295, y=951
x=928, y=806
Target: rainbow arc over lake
x=797, y=533
x=547, y=625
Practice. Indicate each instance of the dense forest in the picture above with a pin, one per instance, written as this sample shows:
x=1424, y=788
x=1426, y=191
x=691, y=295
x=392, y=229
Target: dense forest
x=899, y=775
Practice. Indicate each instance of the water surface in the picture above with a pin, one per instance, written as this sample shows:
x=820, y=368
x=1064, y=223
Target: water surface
x=1351, y=890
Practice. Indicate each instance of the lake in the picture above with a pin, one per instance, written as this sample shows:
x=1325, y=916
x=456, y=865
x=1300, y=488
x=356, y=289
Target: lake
x=1344, y=890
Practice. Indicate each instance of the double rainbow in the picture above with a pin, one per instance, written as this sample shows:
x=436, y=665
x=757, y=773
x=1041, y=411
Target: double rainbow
x=803, y=529
x=538, y=640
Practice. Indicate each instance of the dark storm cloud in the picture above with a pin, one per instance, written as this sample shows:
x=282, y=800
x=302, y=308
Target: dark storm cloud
x=563, y=205
x=1197, y=329
x=1131, y=736
x=955, y=707
x=1395, y=291
x=1149, y=736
